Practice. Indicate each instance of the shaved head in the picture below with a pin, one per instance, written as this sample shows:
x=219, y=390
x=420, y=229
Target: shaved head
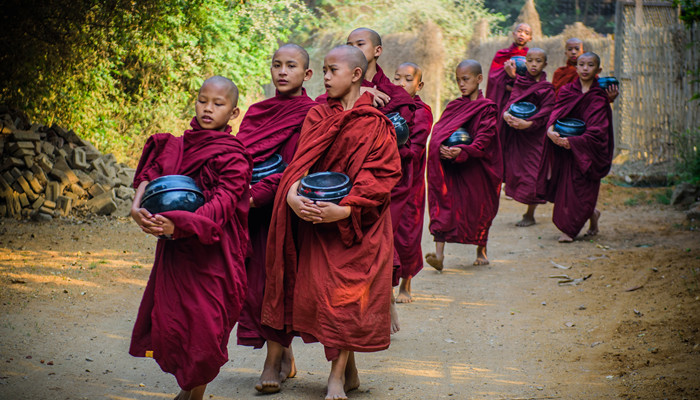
x=472, y=66
x=302, y=52
x=225, y=83
x=352, y=56
x=418, y=73
x=537, y=50
x=574, y=40
x=523, y=26
x=591, y=55
x=373, y=35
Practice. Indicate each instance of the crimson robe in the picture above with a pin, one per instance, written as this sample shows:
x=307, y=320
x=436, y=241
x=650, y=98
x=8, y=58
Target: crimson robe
x=410, y=231
x=564, y=75
x=498, y=79
x=270, y=126
x=571, y=178
x=522, y=148
x=340, y=272
x=197, y=286
x=463, y=193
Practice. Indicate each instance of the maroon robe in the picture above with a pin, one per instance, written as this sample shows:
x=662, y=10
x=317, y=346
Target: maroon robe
x=340, y=272
x=410, y=232
x=564, y=75
x=270, y=126
x=463, y=193
x=571, y=178
x=522, y=148
x=197, y=286
x=498, y=78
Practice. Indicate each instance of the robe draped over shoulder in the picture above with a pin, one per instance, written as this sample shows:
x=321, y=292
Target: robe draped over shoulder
x=340, y=272
x=564, y=75
x=463, y=193
x=498, y=79
x=197, y=285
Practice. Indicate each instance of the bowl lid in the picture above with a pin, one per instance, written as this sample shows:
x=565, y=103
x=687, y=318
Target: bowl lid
x=270, y=164
x=326, y=181
x=573, y=123
x=169, y=183
x=523, y=107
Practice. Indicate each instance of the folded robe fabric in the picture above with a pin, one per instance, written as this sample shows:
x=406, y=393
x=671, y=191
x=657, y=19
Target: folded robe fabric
x=269, y=127
x=340, y=272
x=463, y=193
x=410, y=231
x=522, y=148
x=197, y=286
x=564, y=75
x=571, y=178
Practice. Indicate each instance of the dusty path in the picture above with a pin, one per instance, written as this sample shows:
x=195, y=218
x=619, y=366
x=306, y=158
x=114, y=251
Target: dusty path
x=69, y=294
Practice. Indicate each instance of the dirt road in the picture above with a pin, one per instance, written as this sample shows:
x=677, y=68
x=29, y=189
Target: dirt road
x=69, y=291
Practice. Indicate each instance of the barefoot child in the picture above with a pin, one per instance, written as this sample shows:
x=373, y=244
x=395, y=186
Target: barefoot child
x=502, y=71
x=524, y=139
x=197, y=286
x=410, y=230
x=567, y=74
x=336, y=259
x=464, y=181
x=572, y=167
x=271, y=127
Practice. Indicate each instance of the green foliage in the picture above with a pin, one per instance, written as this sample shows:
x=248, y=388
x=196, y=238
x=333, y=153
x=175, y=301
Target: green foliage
x=690, y=11
x=117, y=71
x=688, y=155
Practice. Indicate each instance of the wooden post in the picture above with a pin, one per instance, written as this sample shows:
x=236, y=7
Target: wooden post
x=639, y=13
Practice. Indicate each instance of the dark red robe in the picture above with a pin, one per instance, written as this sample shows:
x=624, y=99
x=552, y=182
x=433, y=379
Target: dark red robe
x=564, y=75
x=410, y=232
x=498, y=79
x=571, y=178
x=197, y=286
x=522, y=148
x=270, y=126
x=339, y=273
x=463, y=193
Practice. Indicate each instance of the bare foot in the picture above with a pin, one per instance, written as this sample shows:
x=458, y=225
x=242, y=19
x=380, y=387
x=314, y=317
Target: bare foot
x=528, y=220
x=481, y=258
x=352, y=379
x=564, y=238
x=593, y=227
x=270, y=378
x=404, y=291
x=394, y=317
x=195, y=394
x=336, y=389
x=336, y=379
x=288, y=368
x=433, y=261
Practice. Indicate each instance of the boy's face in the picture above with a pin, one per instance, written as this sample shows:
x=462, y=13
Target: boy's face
x=288, y=71
x=522, y=35
x=338, y=77
x=215, y=107
x=573, y=50
x=467, y=81
x=535, y=62
x=587, y=68
x=407, y=78
x=362, y=40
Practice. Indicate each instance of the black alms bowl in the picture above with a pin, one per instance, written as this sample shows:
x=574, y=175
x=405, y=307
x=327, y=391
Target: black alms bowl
x=460, y=136
x=567, y=127
x=606, y=81
x=325, y=186
x=400, y=126
x=170, y=193
x=522, y=109
x=520, y=67
x=271, y=166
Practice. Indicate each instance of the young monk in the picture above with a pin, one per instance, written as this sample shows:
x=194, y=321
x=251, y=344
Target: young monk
x=271, y=127
x=524, y=139
x=197, y=286
x=572, y=167
x=567, y=74
x=502, y=71
x=464, y=181
x=410, y=231
x=340, y=273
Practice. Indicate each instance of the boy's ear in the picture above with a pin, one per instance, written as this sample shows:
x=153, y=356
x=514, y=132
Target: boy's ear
x=234, y=113
x=308, y=74
x=420, y=86
x=480, y=78
x=356, y=74
x=378, y=51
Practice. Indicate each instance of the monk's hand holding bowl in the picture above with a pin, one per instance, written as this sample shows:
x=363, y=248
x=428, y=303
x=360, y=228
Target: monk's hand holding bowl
x=380, y=98
x=558, y=140
x=449, y=153
x=304, y=208
x=509, y=67
x=167, y=227
x=331, y=212
x=518, y=123
x=146, y=221
x=613, y=92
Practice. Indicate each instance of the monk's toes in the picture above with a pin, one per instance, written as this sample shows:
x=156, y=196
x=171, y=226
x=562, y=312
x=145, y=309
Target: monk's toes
x=267, y=387
x=480, y=261
x=433, y=261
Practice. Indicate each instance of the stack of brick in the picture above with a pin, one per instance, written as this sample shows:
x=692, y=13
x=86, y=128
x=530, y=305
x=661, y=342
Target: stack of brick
x=48, y=172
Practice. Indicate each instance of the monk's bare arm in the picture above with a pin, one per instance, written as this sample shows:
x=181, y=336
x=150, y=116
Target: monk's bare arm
x=304, y=208
x=556, y=139
x=380, y=98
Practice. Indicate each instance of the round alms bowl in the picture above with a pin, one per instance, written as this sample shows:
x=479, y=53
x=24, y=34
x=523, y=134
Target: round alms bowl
x=325, y=186
x=460, y=136
x=520, y=67
x=606, y=81
x=568, y=127
x=170, y=193
x=522, y=109
x=271, y=166
x=400, y=126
